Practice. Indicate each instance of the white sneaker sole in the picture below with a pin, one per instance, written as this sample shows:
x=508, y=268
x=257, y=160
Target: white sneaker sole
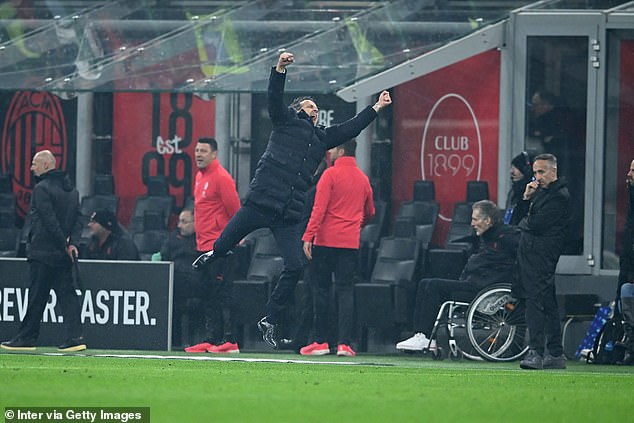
x=317, y=352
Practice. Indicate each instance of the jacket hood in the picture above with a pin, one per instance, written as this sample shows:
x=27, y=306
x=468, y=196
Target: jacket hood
x=58, y=175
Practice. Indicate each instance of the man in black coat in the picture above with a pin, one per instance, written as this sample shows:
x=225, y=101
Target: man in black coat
x=55, y=225
x=492, y=263
x=625, y=290
x=278, y=189
x=544, y=232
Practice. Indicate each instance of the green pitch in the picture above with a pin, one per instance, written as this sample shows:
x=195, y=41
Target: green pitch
x=291, y=388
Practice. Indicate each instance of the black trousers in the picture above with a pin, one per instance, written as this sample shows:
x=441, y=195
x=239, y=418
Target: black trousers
x=342, y=263
x=43, y=279
x=217, y=302
x=542, y=318
x=288, y=238
x=432, y=293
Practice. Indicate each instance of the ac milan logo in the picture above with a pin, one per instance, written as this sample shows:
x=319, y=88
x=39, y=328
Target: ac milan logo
x=34, y=122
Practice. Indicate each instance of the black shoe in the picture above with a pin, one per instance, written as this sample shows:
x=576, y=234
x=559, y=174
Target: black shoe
x=268, y=332
x=628, y=359
x=73, y=344
x=532, y=361
x=203, y=260
x=17, y=344
x=554, y=362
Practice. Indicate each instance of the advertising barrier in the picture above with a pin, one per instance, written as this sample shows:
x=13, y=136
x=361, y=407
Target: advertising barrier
x=124, y=304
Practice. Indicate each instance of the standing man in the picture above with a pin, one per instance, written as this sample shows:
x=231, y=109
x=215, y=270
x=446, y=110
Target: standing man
x=108, y=241
x=343, y=203
x=626, y=274
x=55, y=226
x=283, y=175
x=215, y=202
x=544, y=232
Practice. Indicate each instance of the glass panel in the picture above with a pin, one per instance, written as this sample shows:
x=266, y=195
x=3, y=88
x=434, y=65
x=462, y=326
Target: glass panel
x=578, y=4
x=619, y=148
x=210, y=46
x=556, y=115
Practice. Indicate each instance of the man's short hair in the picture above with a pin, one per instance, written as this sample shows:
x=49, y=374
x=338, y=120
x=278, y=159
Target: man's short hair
x=211, y=141
x=349, y=148
x=550, y=158
x=488, y=209
x=296, y=104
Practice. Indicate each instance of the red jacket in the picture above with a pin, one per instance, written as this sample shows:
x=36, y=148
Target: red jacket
x=215, y=202
x=343, y=203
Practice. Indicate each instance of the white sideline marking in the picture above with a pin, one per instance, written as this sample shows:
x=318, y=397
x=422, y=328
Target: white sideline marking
x=208, y=358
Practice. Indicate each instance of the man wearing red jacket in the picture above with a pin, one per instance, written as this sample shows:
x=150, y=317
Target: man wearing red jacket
x=215, y=202
x=343, y=203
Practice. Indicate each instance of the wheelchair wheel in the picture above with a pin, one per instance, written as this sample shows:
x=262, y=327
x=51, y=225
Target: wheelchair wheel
x=496, y=326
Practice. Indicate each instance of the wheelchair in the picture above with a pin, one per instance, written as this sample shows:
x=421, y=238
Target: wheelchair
x=491, y=327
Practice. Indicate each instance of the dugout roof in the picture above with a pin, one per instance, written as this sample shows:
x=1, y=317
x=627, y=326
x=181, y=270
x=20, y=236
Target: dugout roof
x=210, y=47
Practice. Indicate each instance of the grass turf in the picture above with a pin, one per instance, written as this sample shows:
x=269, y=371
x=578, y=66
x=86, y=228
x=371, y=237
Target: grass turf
x=381, y=388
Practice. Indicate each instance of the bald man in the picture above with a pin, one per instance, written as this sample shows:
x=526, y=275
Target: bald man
x=54, y=219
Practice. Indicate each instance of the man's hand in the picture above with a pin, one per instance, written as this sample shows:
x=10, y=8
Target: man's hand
x=531, y=188
x=284, y=60
x=308, y=250
x=72, y=252
x=384, y=100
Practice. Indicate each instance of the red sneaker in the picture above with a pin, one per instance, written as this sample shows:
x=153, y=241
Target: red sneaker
x=315, y=349
x=226, y=348
x=344, y=350
x=199, y=348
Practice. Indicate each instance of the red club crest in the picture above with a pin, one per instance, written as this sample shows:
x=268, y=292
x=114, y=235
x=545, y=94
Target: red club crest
x=34, y=122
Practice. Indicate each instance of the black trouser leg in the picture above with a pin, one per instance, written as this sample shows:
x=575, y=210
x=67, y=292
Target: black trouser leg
x=554, y=340
x=627, y=310
x=68, y=301
x=39, y=289
x=345, y=272
x=212, y=302
x=430, y=296
x=289, y=243
x=321, y=280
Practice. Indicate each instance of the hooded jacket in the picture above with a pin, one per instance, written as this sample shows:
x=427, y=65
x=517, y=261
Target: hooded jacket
x=53, y=213
x=295, y=148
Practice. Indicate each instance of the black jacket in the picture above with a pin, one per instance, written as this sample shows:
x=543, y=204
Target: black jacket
x=295, y=148
x=53, y=214
x=514, y=203
x=544, y=232
x=627, y=256
x=116, y=247
x=493, y=262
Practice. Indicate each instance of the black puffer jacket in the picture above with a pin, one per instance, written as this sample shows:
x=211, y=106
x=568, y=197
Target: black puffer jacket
x=54, y=219
x=294, y=150
x=627, y=256
x=544, y=231
x=494, y=261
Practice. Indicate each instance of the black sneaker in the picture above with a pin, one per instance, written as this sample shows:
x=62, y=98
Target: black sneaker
x=268, y=332
x=72, y=345
x=17, y=344
x=628, y=359
x=554, y=362
x=532, y=361
x=203, y=260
